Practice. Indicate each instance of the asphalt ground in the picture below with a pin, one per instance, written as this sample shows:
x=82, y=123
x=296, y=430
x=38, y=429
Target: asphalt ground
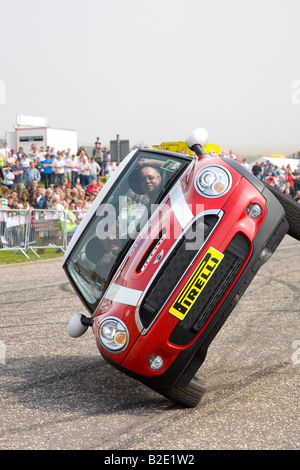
x=57, y=393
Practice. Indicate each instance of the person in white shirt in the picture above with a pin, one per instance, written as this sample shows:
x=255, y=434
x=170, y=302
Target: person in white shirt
x=56, y=206
x=110, y=166
x=5, y=152
x=33, y=152
x=245, y=164
x=67, y=169
x=95, y=168
x=41, y=154
x=85, y=172
x=24, y=162
x=59, y=170
x=10, y=160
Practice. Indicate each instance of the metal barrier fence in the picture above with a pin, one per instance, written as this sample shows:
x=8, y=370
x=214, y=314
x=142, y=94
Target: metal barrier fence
x=35, y=229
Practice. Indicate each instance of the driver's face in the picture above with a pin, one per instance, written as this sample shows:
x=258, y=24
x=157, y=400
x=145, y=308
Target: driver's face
x=150, y=180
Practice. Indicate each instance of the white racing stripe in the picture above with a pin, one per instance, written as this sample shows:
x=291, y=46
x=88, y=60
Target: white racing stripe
x=123, y=295
x=180, y=207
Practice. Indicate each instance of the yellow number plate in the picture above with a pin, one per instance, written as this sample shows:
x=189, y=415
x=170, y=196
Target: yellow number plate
x=196, y=283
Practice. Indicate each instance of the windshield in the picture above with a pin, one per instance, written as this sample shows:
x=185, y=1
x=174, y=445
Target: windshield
x=119, y=219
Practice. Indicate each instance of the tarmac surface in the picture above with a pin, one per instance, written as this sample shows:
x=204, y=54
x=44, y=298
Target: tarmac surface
x=58, y=393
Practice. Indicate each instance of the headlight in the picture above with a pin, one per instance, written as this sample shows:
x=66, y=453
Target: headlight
x=113, y=334
x=213, y=181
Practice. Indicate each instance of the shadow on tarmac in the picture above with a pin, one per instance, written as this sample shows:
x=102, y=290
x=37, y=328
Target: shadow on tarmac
x=84, y=385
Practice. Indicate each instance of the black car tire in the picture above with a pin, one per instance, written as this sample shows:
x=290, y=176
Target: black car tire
x=292, y=211
x=188, y=396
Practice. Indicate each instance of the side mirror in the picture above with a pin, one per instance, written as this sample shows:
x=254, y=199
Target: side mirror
x=77, y=327
x=197, y=140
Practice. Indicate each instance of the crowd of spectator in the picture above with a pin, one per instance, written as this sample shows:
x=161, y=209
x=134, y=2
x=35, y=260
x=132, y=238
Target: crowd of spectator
x=282, y=178
x=45, y=178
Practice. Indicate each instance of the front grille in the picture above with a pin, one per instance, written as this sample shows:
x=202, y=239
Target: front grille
x=234, y=257
x=174, y=268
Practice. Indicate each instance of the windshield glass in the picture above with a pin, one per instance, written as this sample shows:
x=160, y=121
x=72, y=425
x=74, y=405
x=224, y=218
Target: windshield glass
x=119, y=219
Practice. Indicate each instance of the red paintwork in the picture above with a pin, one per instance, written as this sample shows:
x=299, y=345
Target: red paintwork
x=155, y=341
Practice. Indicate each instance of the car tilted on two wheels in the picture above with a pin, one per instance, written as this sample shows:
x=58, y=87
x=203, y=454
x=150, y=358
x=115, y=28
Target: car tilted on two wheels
x=165, y=252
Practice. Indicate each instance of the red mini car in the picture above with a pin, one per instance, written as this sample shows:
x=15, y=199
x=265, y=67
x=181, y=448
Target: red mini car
x=162, y=257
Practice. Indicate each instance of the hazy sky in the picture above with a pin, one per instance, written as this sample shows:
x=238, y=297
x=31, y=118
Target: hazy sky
x=155, y=70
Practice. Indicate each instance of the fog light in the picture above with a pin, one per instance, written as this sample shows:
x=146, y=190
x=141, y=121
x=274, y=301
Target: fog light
x=254, y=211
x=155, y=362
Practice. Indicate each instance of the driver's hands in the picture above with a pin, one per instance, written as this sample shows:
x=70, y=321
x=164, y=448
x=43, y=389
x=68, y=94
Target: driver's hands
x=108, y=258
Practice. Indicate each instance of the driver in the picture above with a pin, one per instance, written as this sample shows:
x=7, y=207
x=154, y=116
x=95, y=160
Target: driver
x=146, y=179
x=150, y=182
